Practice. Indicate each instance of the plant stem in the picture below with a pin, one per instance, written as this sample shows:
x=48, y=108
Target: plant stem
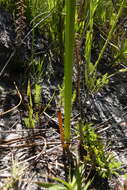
x=68, y=64
x=110, y=34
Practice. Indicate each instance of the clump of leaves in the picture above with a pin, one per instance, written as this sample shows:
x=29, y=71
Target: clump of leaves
x=100, y=160
x=75, y=183
x=17, y=171
x=34, y=105
x=93, y=82
x=29, y=121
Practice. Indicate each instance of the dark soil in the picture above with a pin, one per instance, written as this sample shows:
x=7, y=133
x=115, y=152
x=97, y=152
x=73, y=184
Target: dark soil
x=39, y=150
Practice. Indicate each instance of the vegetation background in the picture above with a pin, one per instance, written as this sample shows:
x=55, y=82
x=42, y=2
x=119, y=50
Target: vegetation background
x=89, y=36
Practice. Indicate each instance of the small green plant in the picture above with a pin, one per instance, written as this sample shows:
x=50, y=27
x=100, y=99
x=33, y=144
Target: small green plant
x=93, y=82
x=34, y=105
x=37, y=70
x=34, y=99
x=77, y=182
x=17, y=171
x=37, y=101
x=30, y=121
x=100, y=160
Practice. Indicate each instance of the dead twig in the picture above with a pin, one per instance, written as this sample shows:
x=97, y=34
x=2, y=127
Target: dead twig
x=15, y=107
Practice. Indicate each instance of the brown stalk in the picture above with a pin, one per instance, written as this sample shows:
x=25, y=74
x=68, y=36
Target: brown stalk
x=60, y=124
x=20, y=22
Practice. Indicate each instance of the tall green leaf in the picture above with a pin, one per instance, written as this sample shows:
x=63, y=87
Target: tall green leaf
x=68, y=64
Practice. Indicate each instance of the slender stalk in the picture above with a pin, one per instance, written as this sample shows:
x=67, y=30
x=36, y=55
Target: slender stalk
x=68, y=64
x=110, y=34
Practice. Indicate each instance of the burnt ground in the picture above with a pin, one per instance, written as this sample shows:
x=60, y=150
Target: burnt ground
x=37, y=153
